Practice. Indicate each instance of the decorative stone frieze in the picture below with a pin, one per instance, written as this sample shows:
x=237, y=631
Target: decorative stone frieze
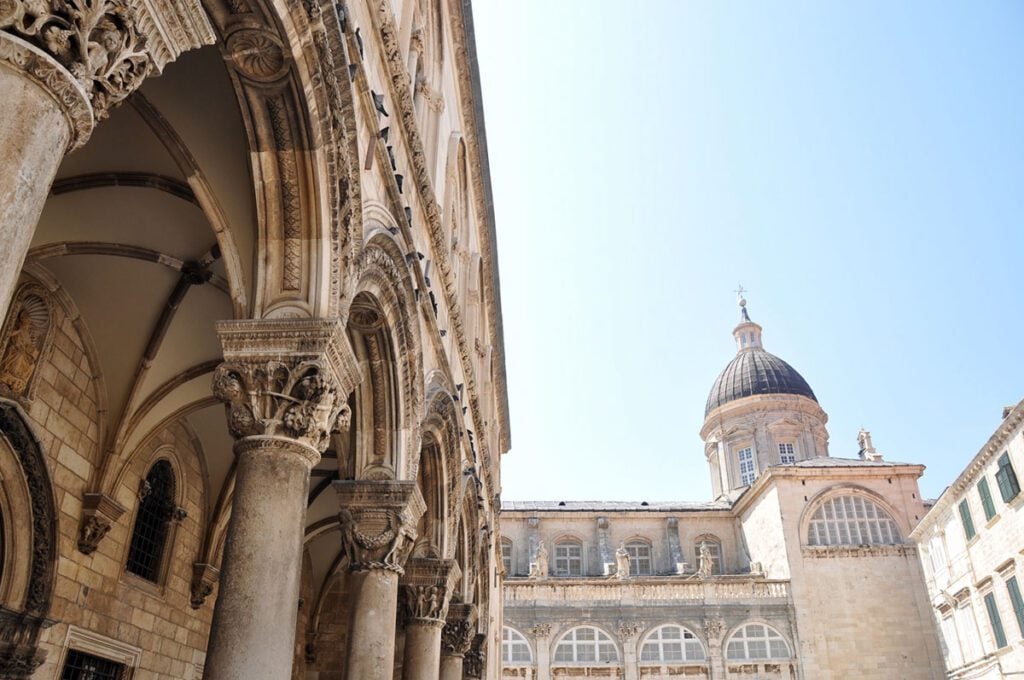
x=378, y=522
x=204, y=578
x=99, y=513
x=286, y=379
x=459, y=629
x=426, y=588
x=108, y=47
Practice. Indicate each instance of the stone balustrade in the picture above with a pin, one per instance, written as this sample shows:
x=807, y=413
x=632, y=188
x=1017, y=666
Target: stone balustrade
x=647, y=590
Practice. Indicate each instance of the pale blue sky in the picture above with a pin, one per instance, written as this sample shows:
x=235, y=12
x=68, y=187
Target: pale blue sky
x=857, y=165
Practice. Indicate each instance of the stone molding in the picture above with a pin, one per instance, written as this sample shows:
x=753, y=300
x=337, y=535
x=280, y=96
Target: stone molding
x=204, y=578
x=655, y=589
x=92, y=54
x=99, y=513
x=19, y=632
x=459, y=629
x=426, y=588
x=286, y=379
x=378, y=522
x=826, y=551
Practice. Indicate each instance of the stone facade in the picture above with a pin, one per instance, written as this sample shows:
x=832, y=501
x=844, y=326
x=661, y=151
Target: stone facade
x=970, y=543
x=252, y=390
x=802, y=567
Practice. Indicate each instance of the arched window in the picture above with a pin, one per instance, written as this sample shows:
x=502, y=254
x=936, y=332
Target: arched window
x=852, y=520
x=514, y=647
x=672, y=644
x=714, y=547
x=506, y=556
x=639, y=557
x=756, y=641
x=568, y=558
x=586, y=644
x=156, y=508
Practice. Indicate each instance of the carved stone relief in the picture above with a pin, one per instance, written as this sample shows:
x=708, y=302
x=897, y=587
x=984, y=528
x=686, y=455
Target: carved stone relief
x=24, y=343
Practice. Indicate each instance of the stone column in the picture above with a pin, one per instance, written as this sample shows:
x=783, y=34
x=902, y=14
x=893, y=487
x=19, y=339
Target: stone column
x=541, y=634
x=714, y=629
x=378, y=528
x=456, y=639
x=61, y=70
x=284, y=383
x=426, y=588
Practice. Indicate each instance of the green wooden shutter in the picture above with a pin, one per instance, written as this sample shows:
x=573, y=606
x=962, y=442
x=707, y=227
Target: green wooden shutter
x=965, y=517
x=993, y=617
x=1016, y=601
x=986, y=499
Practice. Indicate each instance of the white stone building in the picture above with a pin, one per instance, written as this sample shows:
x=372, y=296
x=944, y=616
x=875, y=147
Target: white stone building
x=802, y=567
x=971, y=544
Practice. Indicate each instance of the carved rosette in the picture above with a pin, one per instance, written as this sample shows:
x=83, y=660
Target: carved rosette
x=426, y=588
x=285, y=379
x=204, y=578
x=108, y=47
x=459, y=629
x=378, y=522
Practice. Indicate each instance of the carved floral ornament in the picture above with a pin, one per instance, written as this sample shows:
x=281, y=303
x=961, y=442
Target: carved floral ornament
x=274, y=398
x=97, y=41
x=459, y=630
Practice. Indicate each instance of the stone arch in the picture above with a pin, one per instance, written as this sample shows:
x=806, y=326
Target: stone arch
x=284, y=60
x=440, y=423
x=705, y=645
x=28, y=586
x=383, y=324
x=838, y=490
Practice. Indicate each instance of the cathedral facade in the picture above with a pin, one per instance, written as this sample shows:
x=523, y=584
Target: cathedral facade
x=252, y=388
x=802, y=567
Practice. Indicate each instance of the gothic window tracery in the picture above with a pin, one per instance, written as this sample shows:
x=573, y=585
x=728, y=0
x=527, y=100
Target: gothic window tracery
x=852, y=520
x=670, y=644
x=586, y=644
x=757, y=641
x=156, y=510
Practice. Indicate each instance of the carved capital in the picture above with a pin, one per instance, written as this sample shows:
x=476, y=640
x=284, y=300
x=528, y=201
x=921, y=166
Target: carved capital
x=629, y=630
x=287, y=379
x=476, y=658
x=378, y=522
x=204, y=578
x=426, y=588
x=19, y=654
x=99, y=513
x=99, y=50
x=714, y=628
x=541, y=630
x=459, y=629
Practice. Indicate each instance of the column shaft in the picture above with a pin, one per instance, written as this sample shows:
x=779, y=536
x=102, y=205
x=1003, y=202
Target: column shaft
x=451, y=667
x=253, y=632
x=371, y=636
x=422, y=651
x=34, y=134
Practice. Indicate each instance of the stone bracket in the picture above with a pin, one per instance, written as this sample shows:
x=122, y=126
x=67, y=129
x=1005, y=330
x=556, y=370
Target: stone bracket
x=19, y=634
x=204, y=578
x=99, y=513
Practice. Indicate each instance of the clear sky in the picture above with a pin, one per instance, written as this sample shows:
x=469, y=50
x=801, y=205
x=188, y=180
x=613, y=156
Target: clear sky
x=858, y=166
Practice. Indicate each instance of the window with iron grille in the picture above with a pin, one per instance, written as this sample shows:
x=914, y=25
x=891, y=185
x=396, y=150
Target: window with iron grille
x=82, y=666
x=156, y=507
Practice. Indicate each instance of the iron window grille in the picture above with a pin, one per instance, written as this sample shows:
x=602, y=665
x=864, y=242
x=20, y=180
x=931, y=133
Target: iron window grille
x=156, y=509
x=82, y=666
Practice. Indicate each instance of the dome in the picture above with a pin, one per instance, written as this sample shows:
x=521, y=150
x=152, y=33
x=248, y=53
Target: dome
x=756, y=371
